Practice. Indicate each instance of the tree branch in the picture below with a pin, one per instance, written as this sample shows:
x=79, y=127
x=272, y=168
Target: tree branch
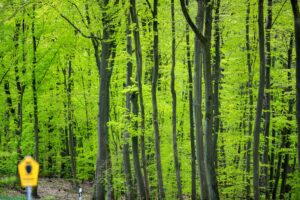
x=278, y=13
x=149, y=5
x=198, y=34
x=3, y=76
x=78, y=10
x=75, y=27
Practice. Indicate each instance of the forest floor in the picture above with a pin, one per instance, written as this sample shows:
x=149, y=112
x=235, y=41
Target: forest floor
x=50, y=189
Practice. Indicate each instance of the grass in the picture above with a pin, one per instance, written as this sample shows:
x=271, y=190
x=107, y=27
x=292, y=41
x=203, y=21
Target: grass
x=11, y=198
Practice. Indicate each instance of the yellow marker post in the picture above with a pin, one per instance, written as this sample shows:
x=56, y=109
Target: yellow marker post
x=29, y=172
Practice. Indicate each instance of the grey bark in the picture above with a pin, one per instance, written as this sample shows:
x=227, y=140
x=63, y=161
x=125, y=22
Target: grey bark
x=259, y=105
x=191, y=117
x=143, y=187
x=103, y=162
x=267, y=107
x=174, y=104
x=208, y=127
x=161, y=191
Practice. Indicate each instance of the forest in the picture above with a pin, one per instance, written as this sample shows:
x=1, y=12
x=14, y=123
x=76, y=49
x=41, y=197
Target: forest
x=153, y=99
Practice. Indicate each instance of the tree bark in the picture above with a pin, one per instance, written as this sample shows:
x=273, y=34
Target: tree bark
x=174, y=104
x=126, y=157
x=296, y=12
x=34, y=94
x=102, y=164
x=208, y=128
x=259, y=105
x=70, y=121
x=267, y=107
x=154, y=103
x=288, y=129
x=191, y=117
x=144, y=189
x=250, y=93
x=216, y=82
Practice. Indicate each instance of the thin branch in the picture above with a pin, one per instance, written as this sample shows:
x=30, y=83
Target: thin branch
x=78, y=10
x=278, y=13
x=149, y=5
x=3, y=76
x=198, y=34
x=75, y=27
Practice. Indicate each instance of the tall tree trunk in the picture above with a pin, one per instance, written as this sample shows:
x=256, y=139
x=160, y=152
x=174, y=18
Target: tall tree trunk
x=144, y=189
x=126, y=157
x=35, y=98
x=267, y=107
x=250, y=93
x=20, y=85
x=216, y=82
x=70, y=121
x=174, y=103
x=287, y=130
x=208, y=128
x=105, y=72
x=198, y=63
x=154, y=103
x=259, y=105
x=191, y=117
x=296, y=12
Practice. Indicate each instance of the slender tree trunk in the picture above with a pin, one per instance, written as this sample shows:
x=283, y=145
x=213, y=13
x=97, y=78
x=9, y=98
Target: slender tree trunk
x=256, y=132
x=250, y=93
x=191, y=117
x=154, y=103
x=296, y=12
x=35, y=98
x=267, y=107
x=198, y=63
x=216, y=82
x=174, y=104
x=20, y=85
x=208, y=130
x=144, y=188
x=287, y=130
x=126, y=157
x=277, y=172
x=70, y=121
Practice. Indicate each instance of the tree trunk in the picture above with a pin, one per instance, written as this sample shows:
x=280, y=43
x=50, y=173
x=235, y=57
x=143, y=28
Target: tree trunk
x=126, y=157
x=288, y=129
x=35, y=99
x=267, y=115
x=191, y=117
x=296, y=12
x=208, y=130
x=70, y=121
x=250, y=93
x=154, y=103
x=216, y=82
x=103, y=103
x=174, y=102
x=259, y=100
x=144, y=189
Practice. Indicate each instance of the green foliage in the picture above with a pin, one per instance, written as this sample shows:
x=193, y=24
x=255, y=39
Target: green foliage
x=59, y=44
